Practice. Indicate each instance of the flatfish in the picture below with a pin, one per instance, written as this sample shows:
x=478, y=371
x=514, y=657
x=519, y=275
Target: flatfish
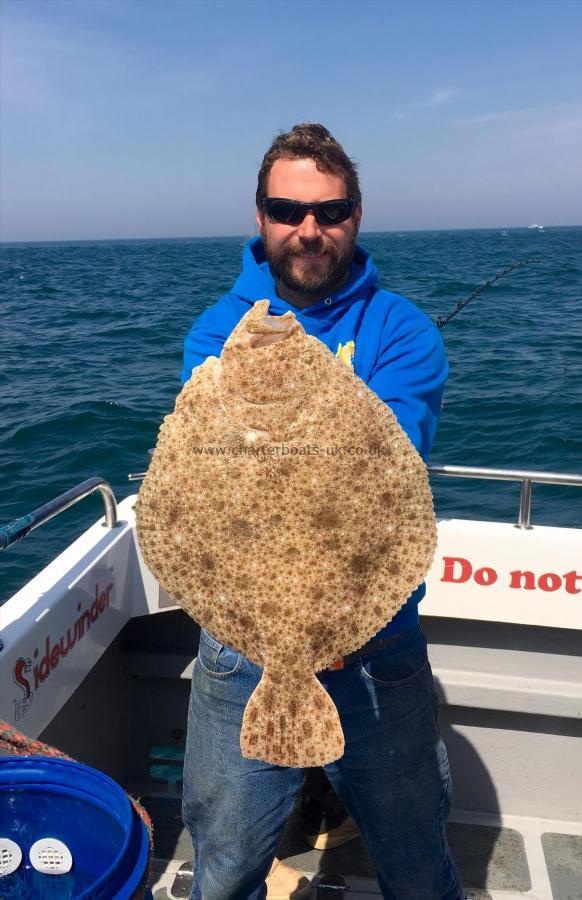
x=289, y=514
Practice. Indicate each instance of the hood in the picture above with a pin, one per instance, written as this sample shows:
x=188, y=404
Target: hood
x=256, y=282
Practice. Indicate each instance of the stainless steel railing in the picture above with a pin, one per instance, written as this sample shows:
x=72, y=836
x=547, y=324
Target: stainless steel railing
x=526, y=477
x=13, y=532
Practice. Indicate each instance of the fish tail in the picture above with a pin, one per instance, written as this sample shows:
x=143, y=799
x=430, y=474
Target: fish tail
x=292, y=725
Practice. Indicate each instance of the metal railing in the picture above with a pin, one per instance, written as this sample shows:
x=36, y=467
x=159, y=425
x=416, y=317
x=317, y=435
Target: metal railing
x=139, y=476
x=524, y=476
x=13, y=532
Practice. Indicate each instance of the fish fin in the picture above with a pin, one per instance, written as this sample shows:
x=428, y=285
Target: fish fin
x=292, y=725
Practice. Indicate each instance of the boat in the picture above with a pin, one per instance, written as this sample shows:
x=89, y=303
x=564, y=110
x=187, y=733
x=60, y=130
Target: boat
x=536, y=227
x=96, y=660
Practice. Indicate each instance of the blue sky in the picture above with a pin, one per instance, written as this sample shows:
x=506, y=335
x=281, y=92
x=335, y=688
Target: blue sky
x=139, y=118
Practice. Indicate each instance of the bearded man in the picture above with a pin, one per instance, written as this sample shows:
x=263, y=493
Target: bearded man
x=393, y=777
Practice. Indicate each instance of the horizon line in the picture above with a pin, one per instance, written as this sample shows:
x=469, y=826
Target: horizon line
x=245, y=238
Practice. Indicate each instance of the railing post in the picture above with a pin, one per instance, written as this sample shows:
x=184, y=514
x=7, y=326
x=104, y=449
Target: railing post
x=524, y=520
x=14, y=531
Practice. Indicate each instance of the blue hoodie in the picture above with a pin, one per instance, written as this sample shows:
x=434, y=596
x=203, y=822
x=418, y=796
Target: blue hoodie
x=393, y=346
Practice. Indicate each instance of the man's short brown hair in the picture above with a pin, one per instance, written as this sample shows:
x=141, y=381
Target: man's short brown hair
x=310, y=140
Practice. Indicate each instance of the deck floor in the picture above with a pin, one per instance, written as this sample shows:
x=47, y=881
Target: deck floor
x=515, y=858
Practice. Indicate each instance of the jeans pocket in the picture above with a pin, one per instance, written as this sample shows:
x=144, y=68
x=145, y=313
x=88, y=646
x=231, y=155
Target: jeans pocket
x=216, y=659
x=372, y=670
x=399, y=665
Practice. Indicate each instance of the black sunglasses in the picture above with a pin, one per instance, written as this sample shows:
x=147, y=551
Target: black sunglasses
x=292, y=212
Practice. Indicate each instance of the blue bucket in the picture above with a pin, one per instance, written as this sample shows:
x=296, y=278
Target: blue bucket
x=42, y=797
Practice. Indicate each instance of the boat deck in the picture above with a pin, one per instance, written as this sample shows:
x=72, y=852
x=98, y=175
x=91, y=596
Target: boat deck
x=514, y=858
x=499, y=855
x=503, y=626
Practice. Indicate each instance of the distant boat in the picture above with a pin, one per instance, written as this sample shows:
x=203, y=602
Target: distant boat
x=537, y=227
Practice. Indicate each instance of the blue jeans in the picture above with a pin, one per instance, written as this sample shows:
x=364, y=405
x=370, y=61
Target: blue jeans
x=393, y=778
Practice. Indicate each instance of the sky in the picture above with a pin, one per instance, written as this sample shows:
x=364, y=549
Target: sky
x=139, y=118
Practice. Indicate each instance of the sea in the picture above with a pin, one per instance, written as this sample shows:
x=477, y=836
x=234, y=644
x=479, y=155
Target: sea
x=91, y=346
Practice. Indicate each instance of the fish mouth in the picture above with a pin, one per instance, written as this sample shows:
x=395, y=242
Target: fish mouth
x=269, y=330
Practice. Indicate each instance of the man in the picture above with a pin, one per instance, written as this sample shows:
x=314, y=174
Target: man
x=393, y=778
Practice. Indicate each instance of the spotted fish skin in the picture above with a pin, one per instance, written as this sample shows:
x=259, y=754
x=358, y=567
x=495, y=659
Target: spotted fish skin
x=287, y=512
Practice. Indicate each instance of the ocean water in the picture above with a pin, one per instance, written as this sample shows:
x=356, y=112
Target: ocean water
x=90, y=355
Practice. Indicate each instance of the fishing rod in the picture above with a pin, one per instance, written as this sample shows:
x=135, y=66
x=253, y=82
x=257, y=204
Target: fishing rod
x=441, y=321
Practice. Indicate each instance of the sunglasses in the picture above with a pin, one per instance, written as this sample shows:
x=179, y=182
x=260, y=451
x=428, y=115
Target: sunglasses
x=292, y=212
